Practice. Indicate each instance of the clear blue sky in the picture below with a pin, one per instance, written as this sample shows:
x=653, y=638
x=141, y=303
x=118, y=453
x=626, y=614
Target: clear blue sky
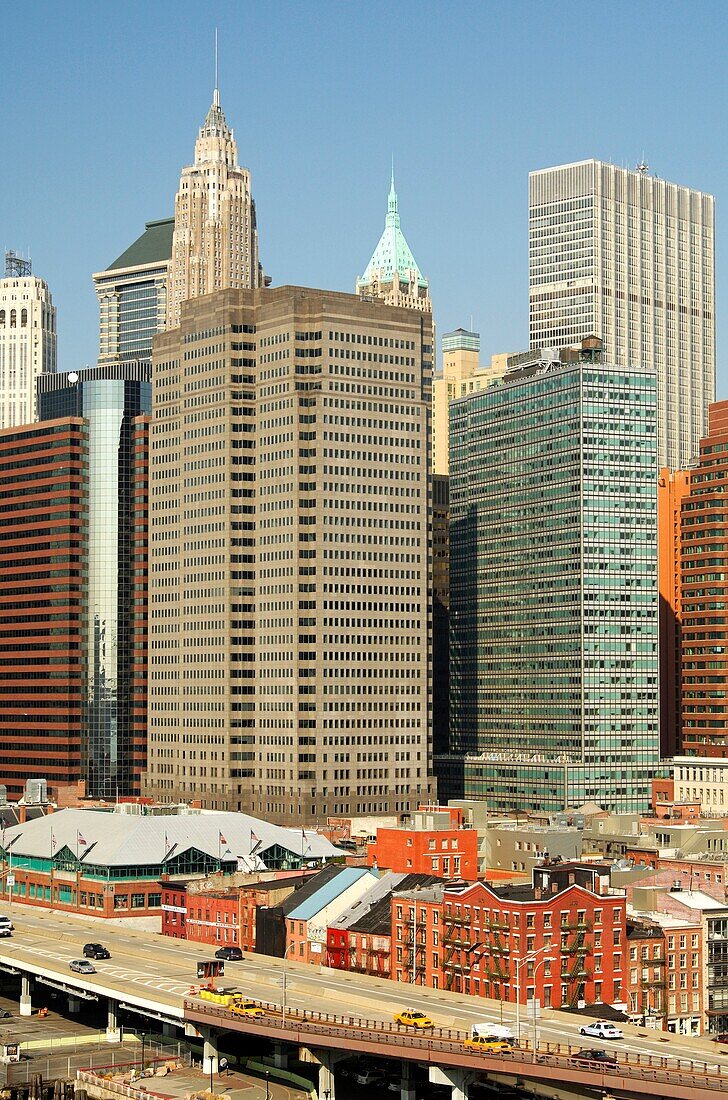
x=101, y=103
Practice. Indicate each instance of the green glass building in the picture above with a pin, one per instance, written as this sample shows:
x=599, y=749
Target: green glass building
x=553, y=586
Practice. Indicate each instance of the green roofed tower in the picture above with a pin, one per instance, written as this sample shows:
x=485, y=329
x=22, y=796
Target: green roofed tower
x=392, y=273
x=132, y=295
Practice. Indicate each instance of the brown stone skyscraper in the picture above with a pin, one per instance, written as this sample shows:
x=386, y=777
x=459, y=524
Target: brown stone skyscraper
x=290, y=567
x=215, y=242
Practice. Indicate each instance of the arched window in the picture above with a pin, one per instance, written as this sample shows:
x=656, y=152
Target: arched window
x=23, y=318
x=13, y=318
x=2, y=316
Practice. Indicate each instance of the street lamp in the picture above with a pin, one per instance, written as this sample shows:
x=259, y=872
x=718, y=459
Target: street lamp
x=267, y=1085
x=519, y=963
x=144, y=1038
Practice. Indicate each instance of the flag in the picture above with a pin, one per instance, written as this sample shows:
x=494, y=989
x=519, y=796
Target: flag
x=222, y=838
x=53, y=843
x=81, y=840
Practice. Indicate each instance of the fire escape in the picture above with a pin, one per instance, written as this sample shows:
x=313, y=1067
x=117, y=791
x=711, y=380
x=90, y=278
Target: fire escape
x=456, y=941
x=414, y=953
x=574, y=971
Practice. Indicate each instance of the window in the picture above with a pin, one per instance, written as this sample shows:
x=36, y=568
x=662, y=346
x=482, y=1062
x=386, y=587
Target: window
x=23, y=317
x=138, y=901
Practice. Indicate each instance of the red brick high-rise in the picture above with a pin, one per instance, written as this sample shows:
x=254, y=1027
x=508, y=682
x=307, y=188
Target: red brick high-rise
x=42, y=592
x=703, y=582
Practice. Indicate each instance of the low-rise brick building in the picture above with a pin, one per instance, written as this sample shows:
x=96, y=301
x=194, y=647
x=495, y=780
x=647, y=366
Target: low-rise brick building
x=435, y=842
x=561, y=939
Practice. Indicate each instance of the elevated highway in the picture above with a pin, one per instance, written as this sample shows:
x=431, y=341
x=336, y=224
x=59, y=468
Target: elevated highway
x=154, y=975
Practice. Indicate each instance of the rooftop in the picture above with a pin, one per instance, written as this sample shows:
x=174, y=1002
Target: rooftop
x=392, y=253
x=329, y=891
x=153, y=247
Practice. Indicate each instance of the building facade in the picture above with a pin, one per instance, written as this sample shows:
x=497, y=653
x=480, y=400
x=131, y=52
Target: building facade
x=440, y=614
x=392, y=273
x=132, y=294
x=109, y=399
x=215, y=240
x=27, y=340
x=562, y=943
x=289, y=555
x=703, y=586
x=43, y=532
x=672, y=488
x=553, y=587
x=629, y=258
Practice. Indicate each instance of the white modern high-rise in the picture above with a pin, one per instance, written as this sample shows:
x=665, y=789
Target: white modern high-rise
x=27, y=340
x=215, y=241
x=629, y=258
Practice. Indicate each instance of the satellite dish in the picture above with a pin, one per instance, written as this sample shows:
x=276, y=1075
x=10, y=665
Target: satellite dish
x=73, y=377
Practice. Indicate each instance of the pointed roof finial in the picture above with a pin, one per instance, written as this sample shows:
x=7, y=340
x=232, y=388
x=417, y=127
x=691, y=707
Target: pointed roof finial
x=392, y=213
x=216, y=94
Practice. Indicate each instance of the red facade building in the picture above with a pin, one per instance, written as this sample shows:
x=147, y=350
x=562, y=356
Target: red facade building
x=436, y=843
x=42, y=595
x=561, y=939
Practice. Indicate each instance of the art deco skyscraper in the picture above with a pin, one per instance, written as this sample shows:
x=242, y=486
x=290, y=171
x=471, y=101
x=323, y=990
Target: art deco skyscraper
x=27, y=340
x=392, y=273
x=215, y=241
x=629, y=258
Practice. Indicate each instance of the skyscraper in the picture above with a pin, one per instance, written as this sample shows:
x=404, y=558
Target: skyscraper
x=553, y=586
x=111, y=401
x=289, y=555
x=629, y=258
x=132, y=295
x=215, y=242
x=392, y=273
x=42, y=601
x=700, y=609
x=27, y=340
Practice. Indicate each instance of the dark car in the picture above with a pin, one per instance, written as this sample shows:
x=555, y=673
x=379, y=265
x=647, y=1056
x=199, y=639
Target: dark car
x=96, y=951
x=5, y=1015
x=231, y=954
x=603, y=1058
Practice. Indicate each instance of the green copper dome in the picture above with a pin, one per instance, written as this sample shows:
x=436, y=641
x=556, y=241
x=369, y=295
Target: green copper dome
x=392, y=254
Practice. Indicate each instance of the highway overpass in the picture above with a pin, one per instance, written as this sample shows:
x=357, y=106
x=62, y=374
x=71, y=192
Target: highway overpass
x=153, y=975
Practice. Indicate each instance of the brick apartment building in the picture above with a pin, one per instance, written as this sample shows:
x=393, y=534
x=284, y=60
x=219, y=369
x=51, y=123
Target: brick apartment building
x=561, y=938
x=435, y=843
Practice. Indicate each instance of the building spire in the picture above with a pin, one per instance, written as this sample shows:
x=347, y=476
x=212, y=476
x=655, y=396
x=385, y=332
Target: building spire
x=392, y=212
x=216, y=93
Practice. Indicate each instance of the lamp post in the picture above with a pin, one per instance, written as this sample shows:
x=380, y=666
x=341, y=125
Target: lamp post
x=519, y=963
x=144, y=1038
x=267, y=1085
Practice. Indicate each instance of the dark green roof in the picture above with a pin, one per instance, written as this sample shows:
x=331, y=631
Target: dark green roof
x=154, y=245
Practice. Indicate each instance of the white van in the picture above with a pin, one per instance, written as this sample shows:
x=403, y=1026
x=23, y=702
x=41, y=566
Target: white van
x=6, y=926
x=486, y=1030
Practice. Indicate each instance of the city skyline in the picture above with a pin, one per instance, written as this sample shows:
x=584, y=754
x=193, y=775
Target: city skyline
x=461, y=167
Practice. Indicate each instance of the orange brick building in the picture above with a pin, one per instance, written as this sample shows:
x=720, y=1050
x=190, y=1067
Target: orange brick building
x=436, y=843
x=672, y=487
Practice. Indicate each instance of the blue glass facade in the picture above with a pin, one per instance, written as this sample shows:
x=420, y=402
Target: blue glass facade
x=554, y=651
x=108, y=398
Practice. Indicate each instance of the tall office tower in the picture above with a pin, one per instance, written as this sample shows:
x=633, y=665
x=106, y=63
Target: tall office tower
x=629, y=258
x=440, y=614
x=703, y=611
x=289, y=555
x=553, y=586
x=132, y=295
x=27, y=340
x=215, y=242
x=392, y=273
x=110, y=400
x=672, y=488
x=42, y=598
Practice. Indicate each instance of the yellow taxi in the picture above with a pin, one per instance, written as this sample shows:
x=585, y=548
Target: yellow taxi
x=410, y=1017
x=486, y=1044
x=246, y=1008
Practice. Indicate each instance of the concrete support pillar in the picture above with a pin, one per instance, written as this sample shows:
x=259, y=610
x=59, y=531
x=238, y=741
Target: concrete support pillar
x=113, y=1031
x=407, y=1089
x=280, y=1055
x=457, y=1079
x=209, y=1052
x=326, y=1086
x=74, y=1004
x=26, y=988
